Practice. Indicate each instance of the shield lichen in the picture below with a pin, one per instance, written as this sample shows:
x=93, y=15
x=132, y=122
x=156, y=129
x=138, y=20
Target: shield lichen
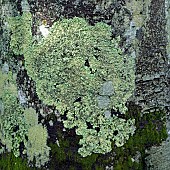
x=76, y=68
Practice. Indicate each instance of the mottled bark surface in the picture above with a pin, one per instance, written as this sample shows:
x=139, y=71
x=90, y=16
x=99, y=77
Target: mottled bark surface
x=152, y=61
x=143, y=29
x=159, y=157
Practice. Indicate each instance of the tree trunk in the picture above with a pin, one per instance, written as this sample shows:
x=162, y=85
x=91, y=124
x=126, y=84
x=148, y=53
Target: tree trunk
x=143, y=27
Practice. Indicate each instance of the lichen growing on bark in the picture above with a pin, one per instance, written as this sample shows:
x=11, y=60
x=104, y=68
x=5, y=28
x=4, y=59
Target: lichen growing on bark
x=81, y=70
x=17, y=124
x=21, y=36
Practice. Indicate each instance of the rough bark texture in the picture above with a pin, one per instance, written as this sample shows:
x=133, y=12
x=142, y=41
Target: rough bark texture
x=144, y=31
x=152, y=61
x=159, y=157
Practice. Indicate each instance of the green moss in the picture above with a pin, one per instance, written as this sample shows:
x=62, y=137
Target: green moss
x=98, y=167
x=72, y=168
x=151, y=130
x=9, y=162
x=65, y=156
x=58, y=153
x=88, y=162
x=118, y=167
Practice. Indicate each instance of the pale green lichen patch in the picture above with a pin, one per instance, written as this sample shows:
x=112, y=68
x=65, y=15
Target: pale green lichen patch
x=37, y=145
x=81, y=70
x=31, y=117
x=139, y=11
x=21, y=37
x=12, y=128
x=17, y=123
x=77, y=61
